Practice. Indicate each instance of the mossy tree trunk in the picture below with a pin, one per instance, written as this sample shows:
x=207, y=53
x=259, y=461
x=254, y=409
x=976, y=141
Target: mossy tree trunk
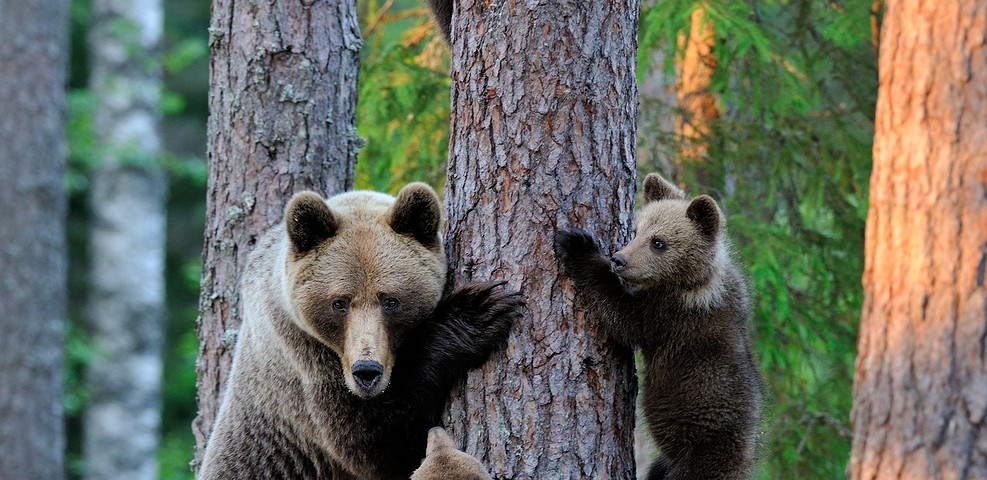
x=33, y=57
x=283, y=86
x=543, y=137
x=920, y=390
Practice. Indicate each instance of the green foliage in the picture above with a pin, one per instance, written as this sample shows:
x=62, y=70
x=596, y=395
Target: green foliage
x=790, y=159
x=403, y=110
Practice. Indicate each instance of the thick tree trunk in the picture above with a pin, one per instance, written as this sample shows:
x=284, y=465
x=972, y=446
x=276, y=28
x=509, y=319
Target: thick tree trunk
x=920, y=392
x=127, y=200
x=282, y=119
x=33, y=45
x=542, y=137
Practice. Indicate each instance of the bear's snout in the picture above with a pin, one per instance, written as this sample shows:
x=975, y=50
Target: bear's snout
x=367, y=374
x=618, y=262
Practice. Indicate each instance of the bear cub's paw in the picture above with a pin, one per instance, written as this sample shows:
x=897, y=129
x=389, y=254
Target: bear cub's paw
x=574, y=245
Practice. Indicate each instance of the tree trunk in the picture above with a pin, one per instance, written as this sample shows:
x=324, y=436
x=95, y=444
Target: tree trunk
x=282, y=119
x=920, y=392
x=127, y=200
x=697, y=106
x=542, y=137
x=33, y=45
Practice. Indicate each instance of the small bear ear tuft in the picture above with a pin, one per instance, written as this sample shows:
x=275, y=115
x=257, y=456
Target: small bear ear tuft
x=704, y=212
x=309, y=221
x=657, y=188
x=416, y=213
x=438, y=439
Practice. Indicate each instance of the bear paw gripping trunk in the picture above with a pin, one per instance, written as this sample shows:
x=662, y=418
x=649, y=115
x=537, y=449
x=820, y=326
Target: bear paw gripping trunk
x=348, y=349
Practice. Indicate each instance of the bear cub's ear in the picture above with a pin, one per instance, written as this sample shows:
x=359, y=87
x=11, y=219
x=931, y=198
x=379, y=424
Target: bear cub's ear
x=417, y=214
x=309, y=221
x=657, y=188
x=704, y=212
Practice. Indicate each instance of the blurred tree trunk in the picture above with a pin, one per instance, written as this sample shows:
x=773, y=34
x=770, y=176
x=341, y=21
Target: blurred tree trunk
x=697, y=105
x=920, y=391
x=282, y=100
x=33, y=56
x=542, y=136
x=127, y=201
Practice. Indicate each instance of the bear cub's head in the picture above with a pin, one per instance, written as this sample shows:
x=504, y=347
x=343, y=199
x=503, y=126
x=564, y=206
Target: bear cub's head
x=679, y=241
x=362, y=269
x=443, y=461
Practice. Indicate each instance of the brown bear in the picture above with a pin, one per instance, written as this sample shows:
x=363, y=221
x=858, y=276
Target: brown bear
x=442, y=12
x=443, y=461
x=674, y=292
x=347, y=353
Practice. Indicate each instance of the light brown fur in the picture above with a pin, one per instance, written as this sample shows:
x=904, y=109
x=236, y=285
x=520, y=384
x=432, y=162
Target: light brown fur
x=444, y=461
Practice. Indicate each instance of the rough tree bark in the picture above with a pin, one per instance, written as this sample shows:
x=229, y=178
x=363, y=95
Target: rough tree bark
x=127, y=200
x=542, y=136
x=33, y=45
x=282, y=119
x=920, y=392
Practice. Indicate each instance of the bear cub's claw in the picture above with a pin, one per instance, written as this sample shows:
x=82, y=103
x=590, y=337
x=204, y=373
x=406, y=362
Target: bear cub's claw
x=574, y=244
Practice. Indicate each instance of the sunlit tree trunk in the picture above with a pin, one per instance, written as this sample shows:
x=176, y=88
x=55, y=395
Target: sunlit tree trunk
x=33, y=45
x=282, y=99
x=127, y=200
x=542, y=137
x=697, y=105
x=920, y=391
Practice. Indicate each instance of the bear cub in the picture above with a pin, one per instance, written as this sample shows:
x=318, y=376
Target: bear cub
x=349, y=349
x=443, y=461
x=674, y=293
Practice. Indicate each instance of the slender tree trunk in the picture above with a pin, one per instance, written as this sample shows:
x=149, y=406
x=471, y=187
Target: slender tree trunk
x=542, y=137
x=127, y=200
x=920, y=391
x=282, y=106
x=697, y=106
x=33, y=45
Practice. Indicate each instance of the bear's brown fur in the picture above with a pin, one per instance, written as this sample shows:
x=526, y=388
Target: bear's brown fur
x=443, y=461
x=442, y=12
x=674, y=292
x=347, y=353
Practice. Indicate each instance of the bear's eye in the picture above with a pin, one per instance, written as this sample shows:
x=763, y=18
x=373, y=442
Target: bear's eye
x=390, y=304
x=340, y=305
x=658, y=244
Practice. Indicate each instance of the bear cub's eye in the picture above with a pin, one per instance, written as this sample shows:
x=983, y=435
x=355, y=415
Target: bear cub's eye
x=658, y=244
x=390, y=304
x=341, y=305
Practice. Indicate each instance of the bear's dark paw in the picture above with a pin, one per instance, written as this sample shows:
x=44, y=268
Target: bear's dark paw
x=573, y=245
x=481, y=315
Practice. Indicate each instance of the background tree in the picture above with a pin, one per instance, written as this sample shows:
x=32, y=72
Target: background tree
x=542, y=137
x=127, y=246
x=33, y=57
x=282, y=112
x=920, y=390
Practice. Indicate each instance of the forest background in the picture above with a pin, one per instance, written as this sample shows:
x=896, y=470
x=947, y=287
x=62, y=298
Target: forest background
x=787, y=152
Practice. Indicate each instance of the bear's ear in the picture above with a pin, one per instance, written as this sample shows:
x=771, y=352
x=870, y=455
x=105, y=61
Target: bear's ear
x=657, y=188
x=438, y=439
x=704, y=212
x=416, y=213
x=309, y=221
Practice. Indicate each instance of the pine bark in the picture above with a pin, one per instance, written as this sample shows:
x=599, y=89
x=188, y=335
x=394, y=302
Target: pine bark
x=920, y=391
x=543, y=137
x=127, y=200
x=33, y=56
x=283, y=86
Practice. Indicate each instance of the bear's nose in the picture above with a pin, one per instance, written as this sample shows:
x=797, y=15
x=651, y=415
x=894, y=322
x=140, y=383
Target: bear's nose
x=618, y=262
x=367, y=373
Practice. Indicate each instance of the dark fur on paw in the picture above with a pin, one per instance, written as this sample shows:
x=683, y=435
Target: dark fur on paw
x=574, y=244
x=482, y=310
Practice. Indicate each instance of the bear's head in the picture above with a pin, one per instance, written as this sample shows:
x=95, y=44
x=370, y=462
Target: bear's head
x=444, y=461
x=678, y=243
x=362, y=270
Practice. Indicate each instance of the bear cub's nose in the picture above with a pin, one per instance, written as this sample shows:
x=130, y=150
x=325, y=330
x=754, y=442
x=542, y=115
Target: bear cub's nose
x=367, y=373
x=618, y=262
